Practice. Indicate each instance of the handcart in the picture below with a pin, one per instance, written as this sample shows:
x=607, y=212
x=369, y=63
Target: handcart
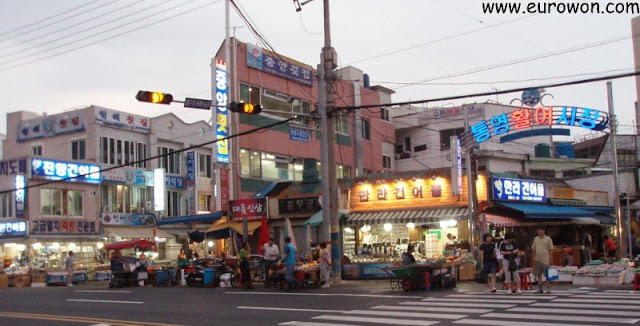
x=409, y=277
x=306, y=276
x=127, y=271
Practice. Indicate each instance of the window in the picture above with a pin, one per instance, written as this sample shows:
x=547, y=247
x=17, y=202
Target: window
x=445, y=137
x=384, y=114
x=543, y=173
x=173, y=203
x=204, y=165
x=6, y=205
x=386, y=162
x=141, y=154
x=367, y=172
x=255, y=164
x=36, y=150
x=343, y=172
x=407, y=143
x=341, y=121
x=51, y=202
x=205, y=203
x=74, y=202
x=399, y=149
x=77, y=149
x=118, y=151
x=114, y=151
x=366, y=132
x=420, y=148
x=573, y=173
x=274, y=101
x=626, y=158
x=123, y=199
x=170, y=162
x=249, y=94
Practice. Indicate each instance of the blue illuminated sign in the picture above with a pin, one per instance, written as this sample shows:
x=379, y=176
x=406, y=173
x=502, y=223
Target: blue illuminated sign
x=518, y=190
x=300, y=135
x=20, y=195
x=174, y=182
x=191, y=169
x=222, y=124
x=13, y=228
x=57, y=170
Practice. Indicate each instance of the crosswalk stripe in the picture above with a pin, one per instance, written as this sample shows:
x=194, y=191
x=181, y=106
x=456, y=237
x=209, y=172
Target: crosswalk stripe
x=619, y=291
x=622, y=293
x=310, y=323
x=503, y=296
x=495, y=322
x=578, y=311
x=454, y=304
x=570, y=318
x=613, y=295
x=603, y=301
x=487, y=300
x=405, y=314
x=434, y=309
x=586, y=306
x=388, y=321
x=528, y=292
x=605, y=296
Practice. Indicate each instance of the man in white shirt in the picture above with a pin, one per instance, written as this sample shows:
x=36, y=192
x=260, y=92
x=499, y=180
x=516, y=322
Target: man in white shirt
x=270, y=255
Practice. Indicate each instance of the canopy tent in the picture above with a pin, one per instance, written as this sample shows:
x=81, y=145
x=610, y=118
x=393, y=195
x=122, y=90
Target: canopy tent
x=140, y=244
x=188, y=219
x=236, y=225
x=316, y=219
x=136, y=232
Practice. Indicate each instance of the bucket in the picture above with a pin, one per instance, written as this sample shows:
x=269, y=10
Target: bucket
x=208, y=276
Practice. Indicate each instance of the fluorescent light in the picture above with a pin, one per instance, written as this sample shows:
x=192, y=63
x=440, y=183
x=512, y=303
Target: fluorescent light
x=411, y=225
x=387, y=227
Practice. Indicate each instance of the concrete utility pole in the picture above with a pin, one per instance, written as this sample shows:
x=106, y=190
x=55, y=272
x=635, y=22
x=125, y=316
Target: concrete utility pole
x=325, y=232
x=616, y=190
x=470, y=184
x=328, y=59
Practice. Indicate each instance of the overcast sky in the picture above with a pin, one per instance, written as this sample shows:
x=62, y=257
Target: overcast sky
x=173, y=54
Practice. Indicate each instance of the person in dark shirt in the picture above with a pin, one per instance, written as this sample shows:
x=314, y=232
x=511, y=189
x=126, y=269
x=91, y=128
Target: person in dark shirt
x=488, y=261
x=407, y=257
x=509, y=250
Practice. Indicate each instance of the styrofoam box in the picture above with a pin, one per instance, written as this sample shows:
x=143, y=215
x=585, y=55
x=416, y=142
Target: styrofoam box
x=583, y=280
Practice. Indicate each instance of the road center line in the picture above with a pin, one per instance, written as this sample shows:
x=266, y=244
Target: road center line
x=105, y=301
x=291, y=309
x=328, y=294
x=100, y=291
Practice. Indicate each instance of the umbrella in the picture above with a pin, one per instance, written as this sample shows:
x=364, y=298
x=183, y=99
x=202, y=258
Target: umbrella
x=264, y=234
x=288, y=232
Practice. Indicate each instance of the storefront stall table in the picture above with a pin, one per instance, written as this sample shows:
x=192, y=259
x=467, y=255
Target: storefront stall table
x=60, y=278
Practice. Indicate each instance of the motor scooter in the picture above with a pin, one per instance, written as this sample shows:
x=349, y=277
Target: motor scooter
x=194, y=273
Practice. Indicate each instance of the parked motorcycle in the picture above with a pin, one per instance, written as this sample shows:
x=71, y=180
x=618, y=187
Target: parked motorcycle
x=194, y=273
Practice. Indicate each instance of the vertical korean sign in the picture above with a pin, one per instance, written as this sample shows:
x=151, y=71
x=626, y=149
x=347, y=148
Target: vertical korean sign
x=20, y=195
x=191, y=182
x=222, y=125
x=224, y=189
x=456, y=165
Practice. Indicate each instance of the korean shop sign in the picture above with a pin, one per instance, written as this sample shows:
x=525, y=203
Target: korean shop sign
x=253, y=209
x=73, y=227
x=277, y=65
x=540, y=117
x=57, y=170
x=518, y=190
x=308, y=205
x=13, y=228
x=221, y=83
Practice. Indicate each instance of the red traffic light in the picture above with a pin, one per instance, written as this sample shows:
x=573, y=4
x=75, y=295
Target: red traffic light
x=154, y=97
x=246, y=108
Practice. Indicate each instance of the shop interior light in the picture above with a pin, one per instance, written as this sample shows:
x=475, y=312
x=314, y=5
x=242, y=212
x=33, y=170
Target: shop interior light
x=71, y=246
x=411, y=225
x=444, y=224
x=453, y=223
x=210, y=244
x=378, y=182
x=365, y=228
x=157, y=239
x=21, y=247
x=349, y=230
x=100, y=245
x=387, y=227
x=55, y=246
x=36, y=246
x=9, y=245
x=414, y=179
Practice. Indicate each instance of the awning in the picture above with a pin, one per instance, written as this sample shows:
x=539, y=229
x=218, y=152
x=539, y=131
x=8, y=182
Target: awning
x=69, y=237
x=252, y=225
x=605, y=219
x=599, y=210
x=199, y=218
x=400, y=217
x=586, y=221
x=500, y=221
x=316, y=219
x=133, y=232
x=539, y=211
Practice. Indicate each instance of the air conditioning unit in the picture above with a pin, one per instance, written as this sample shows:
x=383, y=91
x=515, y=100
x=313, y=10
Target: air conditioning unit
x=148, y=205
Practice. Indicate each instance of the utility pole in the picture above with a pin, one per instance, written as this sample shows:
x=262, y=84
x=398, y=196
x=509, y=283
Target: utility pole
x=325, y=232
x=616, y=190
x=328, y=59
x=470, y=184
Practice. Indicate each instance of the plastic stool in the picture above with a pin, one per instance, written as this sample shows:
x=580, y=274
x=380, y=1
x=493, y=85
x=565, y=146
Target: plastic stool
x=636, y=282
x=427, y=279
x=525, y=282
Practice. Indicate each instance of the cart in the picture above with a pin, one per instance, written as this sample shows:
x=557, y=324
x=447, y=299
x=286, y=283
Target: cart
x=307, y=277
x=408, y=277
x=126, y=271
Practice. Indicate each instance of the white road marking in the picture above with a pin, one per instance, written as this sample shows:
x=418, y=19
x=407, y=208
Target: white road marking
x=578, y=311
x=613, y=295
x=100, y=291
x=454, y=304
x=494, y=322
x=569, y=318
x=621, y=291
x=487, y=300
x=290, y=309
x=504, y=296
x=310, y=323
x=526, y=292
x=618, y=292
x=100, y=325
x=405, y=314
x=328, y=295
x=435, y=309
x=387, y=321
x=606, y=297
x=586, y=306
x=603, y=301
x=105, y=301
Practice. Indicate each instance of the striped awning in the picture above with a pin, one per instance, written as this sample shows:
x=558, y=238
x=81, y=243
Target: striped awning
x=500, y=221
x=415, y=216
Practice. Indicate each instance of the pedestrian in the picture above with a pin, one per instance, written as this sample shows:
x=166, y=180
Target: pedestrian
x=325, y=265
x=568, y=257
x=509, y=250
x=68, y=267
x=587, y=242
x=245, y=272
x=488, y=261
x=542, y=248
x=610, y=248
x=407, y=256
x=290, y=259
x=271, y=253
x=500, y=259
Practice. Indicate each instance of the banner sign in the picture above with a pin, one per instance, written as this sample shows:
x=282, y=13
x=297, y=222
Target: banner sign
x=191, y=201
x=129, y=219
x=174, y=182
x=367, y=271
x=309, y=205
x=20, y=195
x=224, y=189
x=191, y=169
x=121, y=119
x=518, y=190
x=56, y=170
x=456, y=165
x=129, y=176
x=300, y=135
x=53, y=125
x=13, y=229
x=277, y=65
x=64, y=227
x=221, y=97
x=253, y=209
x=13, y=167
x=473, y=111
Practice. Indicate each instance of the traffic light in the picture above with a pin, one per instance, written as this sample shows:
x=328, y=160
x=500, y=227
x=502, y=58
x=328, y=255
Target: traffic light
x=154, y=97
x=246, y=108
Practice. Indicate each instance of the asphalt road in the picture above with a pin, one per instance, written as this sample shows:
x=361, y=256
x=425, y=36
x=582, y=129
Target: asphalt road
x=353, y=303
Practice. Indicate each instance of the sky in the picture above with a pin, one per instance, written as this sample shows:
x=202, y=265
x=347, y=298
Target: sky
x=117, y=47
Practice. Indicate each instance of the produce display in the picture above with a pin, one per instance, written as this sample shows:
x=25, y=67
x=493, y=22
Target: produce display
x=597, y=268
